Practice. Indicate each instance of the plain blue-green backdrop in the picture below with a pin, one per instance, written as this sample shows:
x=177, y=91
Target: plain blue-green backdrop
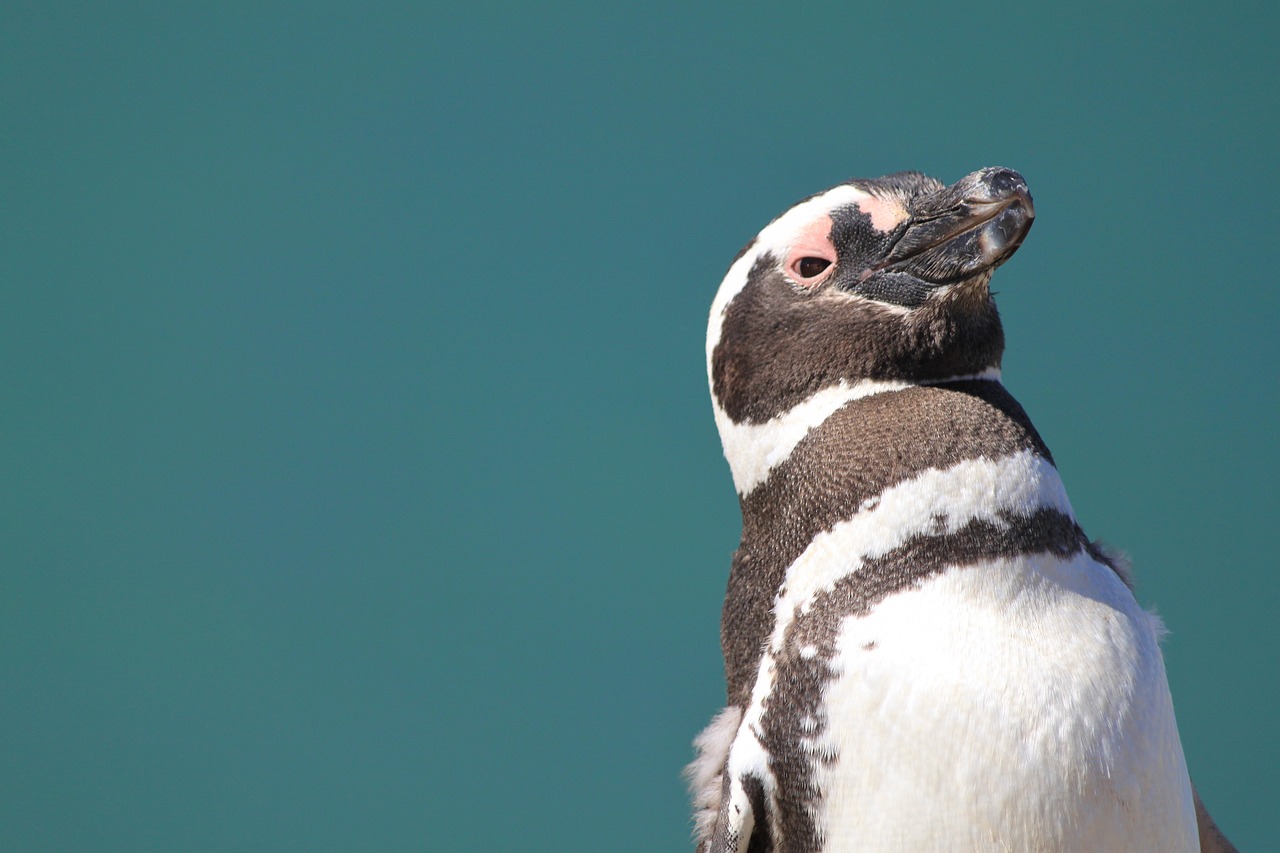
x=358, y=485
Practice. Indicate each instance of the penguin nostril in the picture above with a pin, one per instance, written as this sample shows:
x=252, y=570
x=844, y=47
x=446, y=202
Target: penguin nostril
x=1002, y=183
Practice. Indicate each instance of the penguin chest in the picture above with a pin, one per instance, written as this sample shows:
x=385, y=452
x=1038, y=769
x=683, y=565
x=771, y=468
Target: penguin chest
x=1015, y=703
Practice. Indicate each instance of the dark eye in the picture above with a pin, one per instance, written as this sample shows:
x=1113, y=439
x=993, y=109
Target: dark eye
x=809, y=267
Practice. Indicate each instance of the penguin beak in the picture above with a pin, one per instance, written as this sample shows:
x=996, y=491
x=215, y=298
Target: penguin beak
x=966, y=229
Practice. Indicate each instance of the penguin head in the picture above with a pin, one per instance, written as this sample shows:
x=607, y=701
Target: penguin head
x=879, y=279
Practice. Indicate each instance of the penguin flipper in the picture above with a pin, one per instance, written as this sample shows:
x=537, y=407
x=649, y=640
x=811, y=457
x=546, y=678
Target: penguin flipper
x=740, y=826
x=1211, y=838
x=726, y=808
x=707, y=774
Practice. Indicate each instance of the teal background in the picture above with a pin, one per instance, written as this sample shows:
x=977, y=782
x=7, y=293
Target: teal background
x=359, y=485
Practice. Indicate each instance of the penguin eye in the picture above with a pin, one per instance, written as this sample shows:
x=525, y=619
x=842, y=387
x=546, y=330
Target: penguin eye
x=809, y=271
x=810, y=267
x=812, y=256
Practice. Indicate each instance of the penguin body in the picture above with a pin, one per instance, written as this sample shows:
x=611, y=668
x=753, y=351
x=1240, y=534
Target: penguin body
x=923, y=650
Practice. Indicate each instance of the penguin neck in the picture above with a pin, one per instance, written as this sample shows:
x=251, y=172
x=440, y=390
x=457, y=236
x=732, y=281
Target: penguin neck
x=771, y=384
x=755, y=450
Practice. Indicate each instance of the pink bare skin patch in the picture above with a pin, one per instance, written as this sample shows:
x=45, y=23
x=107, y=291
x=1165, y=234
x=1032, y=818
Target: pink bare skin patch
x=886, y=214
x=812, y=257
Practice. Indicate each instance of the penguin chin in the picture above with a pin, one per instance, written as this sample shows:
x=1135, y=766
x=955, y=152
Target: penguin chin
x=972, y=293
x=905, y=290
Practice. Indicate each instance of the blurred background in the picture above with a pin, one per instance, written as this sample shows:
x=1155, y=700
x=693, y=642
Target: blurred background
x=360, y=488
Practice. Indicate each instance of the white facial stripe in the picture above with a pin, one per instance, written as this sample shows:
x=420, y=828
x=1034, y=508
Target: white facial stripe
x=777, y=239
x=753, y=450
x=973, y=489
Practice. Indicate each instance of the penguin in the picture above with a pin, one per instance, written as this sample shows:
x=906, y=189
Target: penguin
x=923, y=650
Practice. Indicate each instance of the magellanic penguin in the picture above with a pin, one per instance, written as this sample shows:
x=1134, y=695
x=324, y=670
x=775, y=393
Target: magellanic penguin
x=923, y=650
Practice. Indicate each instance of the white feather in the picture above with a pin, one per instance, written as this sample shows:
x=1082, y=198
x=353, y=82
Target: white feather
x=1017, y=704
